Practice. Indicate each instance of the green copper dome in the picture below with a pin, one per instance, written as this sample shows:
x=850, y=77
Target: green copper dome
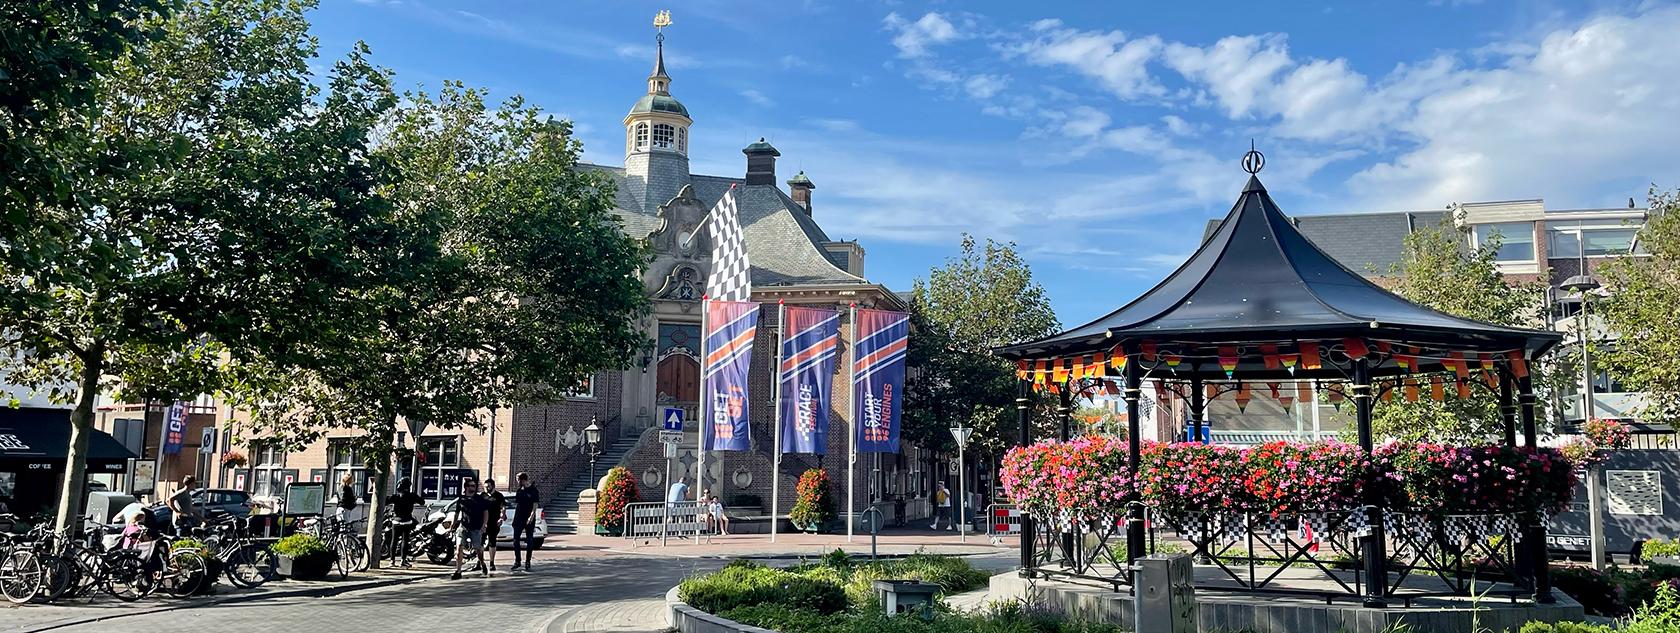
x=658, y=103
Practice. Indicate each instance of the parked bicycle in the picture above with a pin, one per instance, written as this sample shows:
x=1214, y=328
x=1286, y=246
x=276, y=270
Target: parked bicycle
x=344, y=539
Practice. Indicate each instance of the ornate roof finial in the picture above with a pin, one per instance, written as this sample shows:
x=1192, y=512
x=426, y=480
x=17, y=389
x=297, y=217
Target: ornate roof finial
x=1253, y=161
x=661, y=20
x=657, y=82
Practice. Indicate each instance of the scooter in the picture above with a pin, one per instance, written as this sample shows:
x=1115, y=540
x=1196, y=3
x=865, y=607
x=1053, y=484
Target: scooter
x=436, y=537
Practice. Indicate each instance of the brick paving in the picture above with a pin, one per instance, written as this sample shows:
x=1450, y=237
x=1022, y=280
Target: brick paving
x=579, y=583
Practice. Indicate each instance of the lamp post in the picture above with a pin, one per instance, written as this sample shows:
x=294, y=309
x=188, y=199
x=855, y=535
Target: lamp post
x=961, y=434
x=592, y=446
x=1582, y=284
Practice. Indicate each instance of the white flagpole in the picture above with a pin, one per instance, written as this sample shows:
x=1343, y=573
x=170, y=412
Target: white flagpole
x=776, y=454
x=705, y=401
x=851, y=453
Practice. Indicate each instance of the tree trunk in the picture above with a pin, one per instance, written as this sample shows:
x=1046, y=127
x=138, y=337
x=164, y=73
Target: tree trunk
x=376, y=507
x=81, y=427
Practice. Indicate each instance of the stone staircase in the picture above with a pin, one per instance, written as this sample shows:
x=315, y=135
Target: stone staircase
x=561, y=510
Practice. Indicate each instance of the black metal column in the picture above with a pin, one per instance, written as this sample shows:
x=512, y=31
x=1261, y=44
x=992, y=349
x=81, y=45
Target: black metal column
x=1376, y=546
x=1064, y=419
x=1534, y=534
x=1023, y=414
x=1198, y=407
x=1134, y=438
x=1507, y=408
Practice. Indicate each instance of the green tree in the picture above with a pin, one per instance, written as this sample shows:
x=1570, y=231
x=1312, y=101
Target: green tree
x=1438, y=269
x=208, y=177
x=976, y=301
x=1645, y=290
x=507, y=280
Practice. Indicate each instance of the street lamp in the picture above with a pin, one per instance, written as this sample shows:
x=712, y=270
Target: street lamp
x=1581, y=284
x=592, y=446
x=961, y=434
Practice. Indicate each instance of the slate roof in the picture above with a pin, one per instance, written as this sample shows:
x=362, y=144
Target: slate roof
x=1366, y=243
x=783, y=242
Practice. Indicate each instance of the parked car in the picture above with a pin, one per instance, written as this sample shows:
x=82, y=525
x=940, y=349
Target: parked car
x=210, y=500
x=506, y=533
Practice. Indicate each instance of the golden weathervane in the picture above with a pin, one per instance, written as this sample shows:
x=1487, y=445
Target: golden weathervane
x=661, y=20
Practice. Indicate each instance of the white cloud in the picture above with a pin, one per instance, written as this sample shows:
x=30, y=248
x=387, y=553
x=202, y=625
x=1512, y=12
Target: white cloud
x=1235, y=69
x=757, y=97
x=985, y=86
x=1118, y=62
x=912, y=39
x=1590, y=110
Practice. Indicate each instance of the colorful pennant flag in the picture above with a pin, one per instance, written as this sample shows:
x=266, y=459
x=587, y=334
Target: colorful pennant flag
x=1148, y=349
x=1289, y=361
x=1437, y=390
x=1228, y=360
x=731, y=329
x=1244, y=396
x=1269, y=355
x=1519, y=367
x=1309, y=355
x=807, y=377
x=1459, y=366
x=878, y=378
x=1355, y=348
x=1411, y=389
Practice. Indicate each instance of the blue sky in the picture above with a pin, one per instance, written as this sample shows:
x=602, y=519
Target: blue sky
x=1098, y=136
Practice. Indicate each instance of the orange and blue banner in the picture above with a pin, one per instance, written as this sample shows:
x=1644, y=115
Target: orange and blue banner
x=878, y=379
x=810, y=345
x=731, y=327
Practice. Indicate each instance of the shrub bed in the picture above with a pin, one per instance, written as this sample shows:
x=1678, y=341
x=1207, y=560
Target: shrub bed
x=833, y=595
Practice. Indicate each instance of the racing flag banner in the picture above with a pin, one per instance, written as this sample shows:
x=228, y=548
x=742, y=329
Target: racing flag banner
x=810, y=345
x=878, y=379
x=730, y=328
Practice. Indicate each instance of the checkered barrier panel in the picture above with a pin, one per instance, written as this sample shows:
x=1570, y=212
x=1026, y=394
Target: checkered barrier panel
x=1004, y=519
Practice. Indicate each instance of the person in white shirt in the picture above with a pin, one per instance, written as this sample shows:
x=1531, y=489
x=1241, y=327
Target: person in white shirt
x=941, y=507
x=720, y=521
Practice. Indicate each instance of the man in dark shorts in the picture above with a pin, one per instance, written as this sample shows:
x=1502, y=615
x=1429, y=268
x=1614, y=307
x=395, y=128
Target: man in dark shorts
x=472, y=514
x=524, y=520
x=402, y=519
x=498, y=513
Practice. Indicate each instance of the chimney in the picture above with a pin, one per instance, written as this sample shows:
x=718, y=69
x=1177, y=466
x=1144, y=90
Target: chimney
x=799, y=187
x=761, y=163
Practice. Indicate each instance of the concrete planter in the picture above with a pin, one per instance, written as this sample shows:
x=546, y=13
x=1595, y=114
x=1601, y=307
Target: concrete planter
x=306, y=568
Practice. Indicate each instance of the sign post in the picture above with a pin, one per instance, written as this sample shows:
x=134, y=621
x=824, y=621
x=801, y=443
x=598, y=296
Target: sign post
x=961, y=434
x=671, y=435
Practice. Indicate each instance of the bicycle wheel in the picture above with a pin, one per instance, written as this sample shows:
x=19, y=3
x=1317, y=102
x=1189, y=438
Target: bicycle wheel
x=184, y=573
x=21, y=576
x=126, y=576
x=89, y=573
x=250, y=566
x=358, y=553
x=59, y=581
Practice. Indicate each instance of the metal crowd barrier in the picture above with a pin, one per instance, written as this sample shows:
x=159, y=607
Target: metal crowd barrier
x=1002, y=519
x=663, y=520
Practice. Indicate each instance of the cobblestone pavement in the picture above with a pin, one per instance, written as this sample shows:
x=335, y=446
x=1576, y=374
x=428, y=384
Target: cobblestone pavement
x=618, y=588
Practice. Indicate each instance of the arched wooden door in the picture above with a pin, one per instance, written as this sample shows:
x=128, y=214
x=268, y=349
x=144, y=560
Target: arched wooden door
x=679, y=381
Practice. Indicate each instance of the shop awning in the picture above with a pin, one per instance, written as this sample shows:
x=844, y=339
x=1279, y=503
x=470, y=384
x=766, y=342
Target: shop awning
x=39, y=439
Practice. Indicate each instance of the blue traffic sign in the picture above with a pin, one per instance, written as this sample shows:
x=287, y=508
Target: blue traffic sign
x=673, y=419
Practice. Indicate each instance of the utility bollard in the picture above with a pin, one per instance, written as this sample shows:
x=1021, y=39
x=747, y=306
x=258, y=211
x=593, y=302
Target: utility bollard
x=1165, y=594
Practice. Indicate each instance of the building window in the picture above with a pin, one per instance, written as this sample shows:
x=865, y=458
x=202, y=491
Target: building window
x=584, y=391
x=641, y=136
x=1516, y=240
x=664, y=136
x=343, y=459
x=268, y=463
x=682, y=140
x=1599, y=242
x=442, y=457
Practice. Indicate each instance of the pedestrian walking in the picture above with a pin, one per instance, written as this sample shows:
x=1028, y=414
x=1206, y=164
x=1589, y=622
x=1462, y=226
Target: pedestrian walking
x=498, y=514
x=183, y=513
x=524, y=520
x=347, y=498
x=472, y=513
x=402, y=504
x=941, y=507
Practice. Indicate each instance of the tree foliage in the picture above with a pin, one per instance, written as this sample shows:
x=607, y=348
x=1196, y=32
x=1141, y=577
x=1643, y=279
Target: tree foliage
x=1641, y=307
x=188, y=208
x=504, y=278
x=1440, y=270
x=978, y=300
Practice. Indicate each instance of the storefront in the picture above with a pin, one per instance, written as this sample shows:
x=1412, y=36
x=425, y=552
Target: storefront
x=33, y=446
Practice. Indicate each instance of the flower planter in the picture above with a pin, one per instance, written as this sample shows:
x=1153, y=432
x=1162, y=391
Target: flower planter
x=306, y=568
x=602, y=530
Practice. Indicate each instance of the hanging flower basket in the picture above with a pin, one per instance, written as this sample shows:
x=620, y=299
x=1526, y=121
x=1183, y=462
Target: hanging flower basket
x=234, y=459
x=813, y=506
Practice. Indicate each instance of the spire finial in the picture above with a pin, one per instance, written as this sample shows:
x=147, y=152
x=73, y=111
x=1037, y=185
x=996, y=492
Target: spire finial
x=1253, y=161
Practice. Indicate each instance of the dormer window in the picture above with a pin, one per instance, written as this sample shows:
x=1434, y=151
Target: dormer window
x=641, y=136
x=682, y=140
x=664, y=136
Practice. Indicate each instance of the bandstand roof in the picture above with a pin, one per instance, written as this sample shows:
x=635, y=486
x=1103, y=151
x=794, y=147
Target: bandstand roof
x=1260, y=288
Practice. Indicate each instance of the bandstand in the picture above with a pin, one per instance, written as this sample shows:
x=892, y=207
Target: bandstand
x=1259, y=306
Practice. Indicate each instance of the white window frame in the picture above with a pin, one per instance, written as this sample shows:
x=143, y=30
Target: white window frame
x=682, y=139
x=584, y=391
x=1483, y=231
x=664, y=136
x=442, y=465
x=357, y=469
x=641, y=136
x=268, y=467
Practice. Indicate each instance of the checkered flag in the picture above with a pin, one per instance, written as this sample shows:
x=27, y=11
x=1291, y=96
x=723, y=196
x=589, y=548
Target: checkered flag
x=729, y=279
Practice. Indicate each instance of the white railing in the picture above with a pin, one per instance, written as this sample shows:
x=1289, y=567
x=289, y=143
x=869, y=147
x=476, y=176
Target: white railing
x=663, y=520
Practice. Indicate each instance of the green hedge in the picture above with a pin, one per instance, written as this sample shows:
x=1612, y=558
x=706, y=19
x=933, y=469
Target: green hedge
x=743, y=583
x=1006, y=619
x=784, y=598
x=1659, y=547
